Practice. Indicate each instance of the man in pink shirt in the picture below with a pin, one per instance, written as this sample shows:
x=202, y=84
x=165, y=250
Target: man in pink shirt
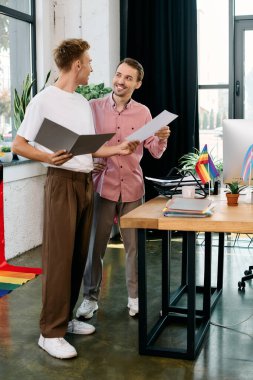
x=119, y=185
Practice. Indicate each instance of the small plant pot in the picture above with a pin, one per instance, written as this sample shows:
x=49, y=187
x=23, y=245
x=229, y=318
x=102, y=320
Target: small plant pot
x=232, y=199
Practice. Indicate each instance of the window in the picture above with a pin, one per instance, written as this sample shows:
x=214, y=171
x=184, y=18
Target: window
x=243, y=7
x=213, y=66
x=225, y=64
x=17, y=56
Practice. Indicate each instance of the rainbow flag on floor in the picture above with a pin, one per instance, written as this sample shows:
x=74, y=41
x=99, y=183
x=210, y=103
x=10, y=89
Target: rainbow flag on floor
x=10, y=280
x=205, y=167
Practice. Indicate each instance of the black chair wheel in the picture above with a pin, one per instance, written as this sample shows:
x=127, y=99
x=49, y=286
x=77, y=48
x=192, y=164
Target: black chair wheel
x=247, y=272
x=241, y=285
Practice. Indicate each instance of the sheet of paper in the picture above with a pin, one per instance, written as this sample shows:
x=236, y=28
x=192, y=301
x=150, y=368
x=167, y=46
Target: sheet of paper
x=56, y=137
x=149, y=129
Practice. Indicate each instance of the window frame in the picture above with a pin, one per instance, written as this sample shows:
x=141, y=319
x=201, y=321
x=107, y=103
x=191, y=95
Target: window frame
x=31, y=20
x=230, y=84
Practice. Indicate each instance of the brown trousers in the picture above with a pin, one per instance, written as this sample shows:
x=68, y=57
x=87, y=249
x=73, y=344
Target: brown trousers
x=67, y=222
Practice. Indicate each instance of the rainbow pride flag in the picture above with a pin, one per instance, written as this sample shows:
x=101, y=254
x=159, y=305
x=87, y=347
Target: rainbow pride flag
x=10, y=280
x=247, y=164
x=205, y=167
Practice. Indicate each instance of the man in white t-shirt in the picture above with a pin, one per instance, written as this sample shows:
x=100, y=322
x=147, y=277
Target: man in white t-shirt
x=68, y=195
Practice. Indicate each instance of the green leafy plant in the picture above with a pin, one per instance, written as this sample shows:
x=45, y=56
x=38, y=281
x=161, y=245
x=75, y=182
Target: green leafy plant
x=234, y=187
x=188, y=161
x=93, y=91
x=21, y=101
x=5, y=149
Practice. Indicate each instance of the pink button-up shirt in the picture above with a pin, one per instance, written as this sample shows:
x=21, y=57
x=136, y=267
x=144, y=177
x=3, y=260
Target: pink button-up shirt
x=122, y=175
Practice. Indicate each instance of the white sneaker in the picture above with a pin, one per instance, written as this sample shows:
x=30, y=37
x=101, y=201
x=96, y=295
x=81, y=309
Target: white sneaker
x=57, y=347
x=133, y=305
x=87, y=309
x=78, y=327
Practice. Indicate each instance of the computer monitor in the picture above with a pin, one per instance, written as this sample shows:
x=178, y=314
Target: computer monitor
x=237, y=138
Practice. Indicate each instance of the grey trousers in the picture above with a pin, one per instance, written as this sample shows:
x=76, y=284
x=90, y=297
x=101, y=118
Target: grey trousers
x=104, y=212
x=67, y=220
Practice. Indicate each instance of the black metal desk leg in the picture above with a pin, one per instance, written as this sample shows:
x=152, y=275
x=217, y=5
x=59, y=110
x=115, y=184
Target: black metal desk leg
x=191, y=273
x=184, y=259
x=220, y=261
x=142, y=284
x=207, y=276
x=166, y=249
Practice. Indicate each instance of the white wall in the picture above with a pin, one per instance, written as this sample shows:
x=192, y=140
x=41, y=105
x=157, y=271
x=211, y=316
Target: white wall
x=23, y=207
x=97, y=21
x=101, y=30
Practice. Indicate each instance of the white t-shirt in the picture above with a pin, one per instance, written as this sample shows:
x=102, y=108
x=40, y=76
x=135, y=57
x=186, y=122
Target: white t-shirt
x=71, y=110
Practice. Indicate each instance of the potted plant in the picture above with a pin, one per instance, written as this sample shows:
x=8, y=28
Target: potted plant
x=233, y=193
x=21, y=101
x=6, y=154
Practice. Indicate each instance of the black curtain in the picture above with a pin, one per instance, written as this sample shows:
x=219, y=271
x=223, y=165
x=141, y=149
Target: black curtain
x=162, y=35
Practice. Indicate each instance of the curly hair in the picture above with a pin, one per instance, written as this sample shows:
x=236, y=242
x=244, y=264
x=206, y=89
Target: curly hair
x=68, y=51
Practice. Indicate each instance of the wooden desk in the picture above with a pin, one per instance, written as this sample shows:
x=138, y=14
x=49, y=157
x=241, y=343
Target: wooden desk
x=149, y=216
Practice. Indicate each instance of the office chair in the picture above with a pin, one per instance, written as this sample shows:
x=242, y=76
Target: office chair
x=248, y=276
x=248, y=272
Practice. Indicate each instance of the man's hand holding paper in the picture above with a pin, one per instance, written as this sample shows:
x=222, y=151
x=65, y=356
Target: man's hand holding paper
x=163, y=133
x=156, y=125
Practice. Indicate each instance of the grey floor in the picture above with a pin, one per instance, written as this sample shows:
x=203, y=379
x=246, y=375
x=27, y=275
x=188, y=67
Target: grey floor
x=112, y=352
